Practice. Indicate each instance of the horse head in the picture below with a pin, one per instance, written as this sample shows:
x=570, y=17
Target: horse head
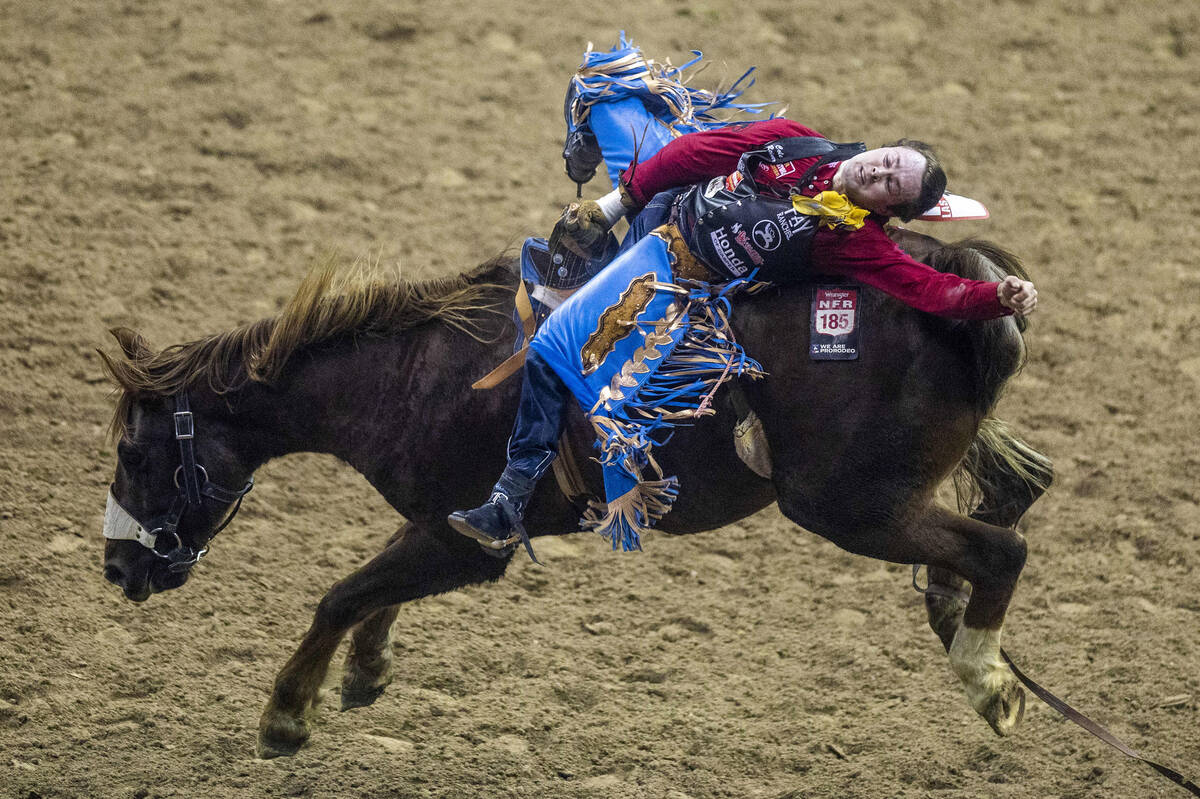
x=193, y=421
x=178, y=481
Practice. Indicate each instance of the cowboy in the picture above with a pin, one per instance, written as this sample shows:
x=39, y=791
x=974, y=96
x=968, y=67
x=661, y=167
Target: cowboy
x=719, y=193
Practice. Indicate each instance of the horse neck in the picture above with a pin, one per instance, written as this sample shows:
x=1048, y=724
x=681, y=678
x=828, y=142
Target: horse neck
x=370, y=401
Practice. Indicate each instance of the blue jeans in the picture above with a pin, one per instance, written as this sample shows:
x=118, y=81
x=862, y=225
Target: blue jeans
x=540, y=418
x=657, y=212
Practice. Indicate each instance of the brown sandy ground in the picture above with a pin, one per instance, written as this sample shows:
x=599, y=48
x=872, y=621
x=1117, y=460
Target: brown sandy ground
x=178, y=166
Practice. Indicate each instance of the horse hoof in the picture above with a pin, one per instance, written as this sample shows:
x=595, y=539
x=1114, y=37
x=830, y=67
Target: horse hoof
x=361, y=695
x=992, y=688
x=1005, y=710
x=366, y=677
x=269, y=750
x=280, y=735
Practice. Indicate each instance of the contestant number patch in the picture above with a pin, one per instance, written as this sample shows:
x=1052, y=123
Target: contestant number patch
x=834, y=329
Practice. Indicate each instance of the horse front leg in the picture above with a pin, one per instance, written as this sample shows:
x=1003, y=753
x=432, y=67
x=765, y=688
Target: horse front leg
x=418, y=563
x=369, y=662
x=368, y=667
x=284, y=725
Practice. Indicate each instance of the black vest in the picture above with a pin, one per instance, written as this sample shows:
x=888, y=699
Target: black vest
x=734, y=227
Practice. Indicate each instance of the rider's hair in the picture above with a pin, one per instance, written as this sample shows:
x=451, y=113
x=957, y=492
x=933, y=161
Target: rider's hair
x=933, y=181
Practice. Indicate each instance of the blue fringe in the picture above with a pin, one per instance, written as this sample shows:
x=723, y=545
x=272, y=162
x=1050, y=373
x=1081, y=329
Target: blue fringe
x=704, y=358
x=623, y=83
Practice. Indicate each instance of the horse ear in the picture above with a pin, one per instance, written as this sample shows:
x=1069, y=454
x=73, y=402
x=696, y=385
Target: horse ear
x=919, y=246
x=135, y=347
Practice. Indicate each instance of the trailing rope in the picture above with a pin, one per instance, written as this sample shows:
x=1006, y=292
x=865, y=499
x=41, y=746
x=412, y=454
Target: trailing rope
x=1096, y=729
x=1071, y=713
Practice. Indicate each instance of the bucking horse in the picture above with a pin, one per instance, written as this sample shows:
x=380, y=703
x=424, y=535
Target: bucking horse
x=378, y=371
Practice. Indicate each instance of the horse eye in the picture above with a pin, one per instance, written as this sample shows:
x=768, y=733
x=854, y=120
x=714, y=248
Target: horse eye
x=130, y=455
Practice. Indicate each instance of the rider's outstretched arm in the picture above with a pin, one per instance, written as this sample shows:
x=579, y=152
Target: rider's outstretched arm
x=868, y=255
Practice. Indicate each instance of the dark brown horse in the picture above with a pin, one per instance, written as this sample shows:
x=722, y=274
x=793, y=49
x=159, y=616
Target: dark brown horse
x=379, y=375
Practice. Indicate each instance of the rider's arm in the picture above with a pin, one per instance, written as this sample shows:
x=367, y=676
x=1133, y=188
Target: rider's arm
x=699, y=156
x=869, y=256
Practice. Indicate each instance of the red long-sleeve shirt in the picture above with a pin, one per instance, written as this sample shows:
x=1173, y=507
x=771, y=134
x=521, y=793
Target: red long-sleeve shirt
x=866, y=255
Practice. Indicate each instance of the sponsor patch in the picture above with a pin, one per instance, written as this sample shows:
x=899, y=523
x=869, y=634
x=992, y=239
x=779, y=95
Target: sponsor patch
x=791, y=222
x=833, y=333
x=733, y=180
x=783, y=170
x=720, y=239
x=743, y=238
x=766, y=235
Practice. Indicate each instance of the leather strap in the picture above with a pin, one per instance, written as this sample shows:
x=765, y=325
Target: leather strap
x=525, y=311
x=185, y=433
x=513, y=362
x=567, y=475
x=1095, y=729
x=502, y=372
x=1071, y=713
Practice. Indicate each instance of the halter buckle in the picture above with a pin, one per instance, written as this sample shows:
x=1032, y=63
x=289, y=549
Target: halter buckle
x=184, y=427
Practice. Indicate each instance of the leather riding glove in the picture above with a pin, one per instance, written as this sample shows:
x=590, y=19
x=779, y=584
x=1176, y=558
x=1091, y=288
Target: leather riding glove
x=582, y=224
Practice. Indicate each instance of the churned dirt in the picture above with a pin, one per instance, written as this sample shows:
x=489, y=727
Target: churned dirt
x=177, y=167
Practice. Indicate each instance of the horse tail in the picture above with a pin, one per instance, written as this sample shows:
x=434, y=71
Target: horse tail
x=997, y=345
x=999, y=466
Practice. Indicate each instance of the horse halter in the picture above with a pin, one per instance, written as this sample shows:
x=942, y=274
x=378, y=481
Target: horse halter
x=192, y=481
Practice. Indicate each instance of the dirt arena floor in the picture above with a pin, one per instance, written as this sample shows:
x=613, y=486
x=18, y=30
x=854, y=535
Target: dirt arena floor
x=177, y=167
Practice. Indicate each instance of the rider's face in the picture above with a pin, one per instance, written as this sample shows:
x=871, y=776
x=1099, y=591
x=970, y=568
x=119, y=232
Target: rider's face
x=880, y=179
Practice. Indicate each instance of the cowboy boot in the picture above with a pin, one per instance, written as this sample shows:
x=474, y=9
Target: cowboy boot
x=496, y=524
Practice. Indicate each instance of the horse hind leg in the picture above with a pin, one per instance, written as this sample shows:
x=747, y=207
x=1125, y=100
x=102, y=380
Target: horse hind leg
x=419, y=562
x=1010, y=476
x=990, y=558
x=946, y=598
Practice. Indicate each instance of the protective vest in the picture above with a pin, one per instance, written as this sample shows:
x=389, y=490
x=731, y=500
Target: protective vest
x=734, y=227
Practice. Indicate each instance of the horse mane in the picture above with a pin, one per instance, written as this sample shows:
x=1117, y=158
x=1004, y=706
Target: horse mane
x=998, y=347
x=362, y=299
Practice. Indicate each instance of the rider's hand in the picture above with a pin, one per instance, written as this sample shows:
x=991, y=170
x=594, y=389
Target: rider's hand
x=630, y=205
x=585, y=222
x=581, y=224
x=1017, y=294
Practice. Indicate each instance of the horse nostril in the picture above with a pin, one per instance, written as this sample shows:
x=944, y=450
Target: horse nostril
x=114, y=575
